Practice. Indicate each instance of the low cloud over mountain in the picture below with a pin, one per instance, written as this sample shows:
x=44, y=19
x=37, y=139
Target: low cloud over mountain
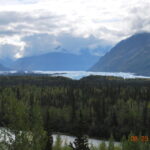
x=29, y=24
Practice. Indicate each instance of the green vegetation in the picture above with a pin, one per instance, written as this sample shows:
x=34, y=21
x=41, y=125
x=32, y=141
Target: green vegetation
x=34, y=107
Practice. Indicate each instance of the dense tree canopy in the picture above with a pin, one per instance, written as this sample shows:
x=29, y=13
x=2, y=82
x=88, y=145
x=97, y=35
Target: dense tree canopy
x=43, y=105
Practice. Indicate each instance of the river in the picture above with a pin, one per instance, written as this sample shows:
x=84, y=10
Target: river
x=95, y=142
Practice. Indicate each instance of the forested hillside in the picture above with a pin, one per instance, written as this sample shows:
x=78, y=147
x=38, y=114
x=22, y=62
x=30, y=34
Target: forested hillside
x=108, y=105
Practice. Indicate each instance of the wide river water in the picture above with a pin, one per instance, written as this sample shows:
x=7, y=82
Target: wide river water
x=78, y=74
x=67, y=139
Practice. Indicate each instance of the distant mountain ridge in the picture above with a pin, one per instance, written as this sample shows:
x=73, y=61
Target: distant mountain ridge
x=129, y=55
x=56, y=61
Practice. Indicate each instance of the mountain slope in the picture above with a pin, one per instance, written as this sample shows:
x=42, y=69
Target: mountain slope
x=3, y=68
x=130, y=55
x=56, y=61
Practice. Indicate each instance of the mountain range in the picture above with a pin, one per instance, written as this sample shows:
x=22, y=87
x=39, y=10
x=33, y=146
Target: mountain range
x=56, y=61
x=59, y=59
x=129, y=55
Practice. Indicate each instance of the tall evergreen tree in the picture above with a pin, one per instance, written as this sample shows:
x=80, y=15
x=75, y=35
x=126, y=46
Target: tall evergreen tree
x=81, y=141
x=111, y=143
x=48, y=129
x=38, y=138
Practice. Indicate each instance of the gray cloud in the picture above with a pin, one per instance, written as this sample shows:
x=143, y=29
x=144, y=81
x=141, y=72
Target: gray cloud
x=8, y=51
x=37, y=33
x=42, y=30
x=7, y=18
x=39, y=43
x=43, y=43
x=138, y=19
x=7, y=32
x=76, y=43
x=21, y=23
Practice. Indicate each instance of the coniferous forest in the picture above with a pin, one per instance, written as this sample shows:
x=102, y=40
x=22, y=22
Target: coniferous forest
x=35, y=107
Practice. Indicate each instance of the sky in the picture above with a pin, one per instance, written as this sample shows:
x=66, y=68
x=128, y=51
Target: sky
x=29, y=27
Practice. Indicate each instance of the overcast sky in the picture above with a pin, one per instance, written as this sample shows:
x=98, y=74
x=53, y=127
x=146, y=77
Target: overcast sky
x=29, y=27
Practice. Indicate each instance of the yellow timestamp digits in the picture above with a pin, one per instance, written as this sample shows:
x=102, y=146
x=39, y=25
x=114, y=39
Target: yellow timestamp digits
x=139, y=138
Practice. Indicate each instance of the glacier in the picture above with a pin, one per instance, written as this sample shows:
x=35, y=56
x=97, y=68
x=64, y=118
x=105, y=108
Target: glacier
x=77, y=74
x=80, y=74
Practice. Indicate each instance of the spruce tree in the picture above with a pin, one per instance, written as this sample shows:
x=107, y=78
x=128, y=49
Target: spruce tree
x=48, y=129
x=81, y=141
x=111, y=143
